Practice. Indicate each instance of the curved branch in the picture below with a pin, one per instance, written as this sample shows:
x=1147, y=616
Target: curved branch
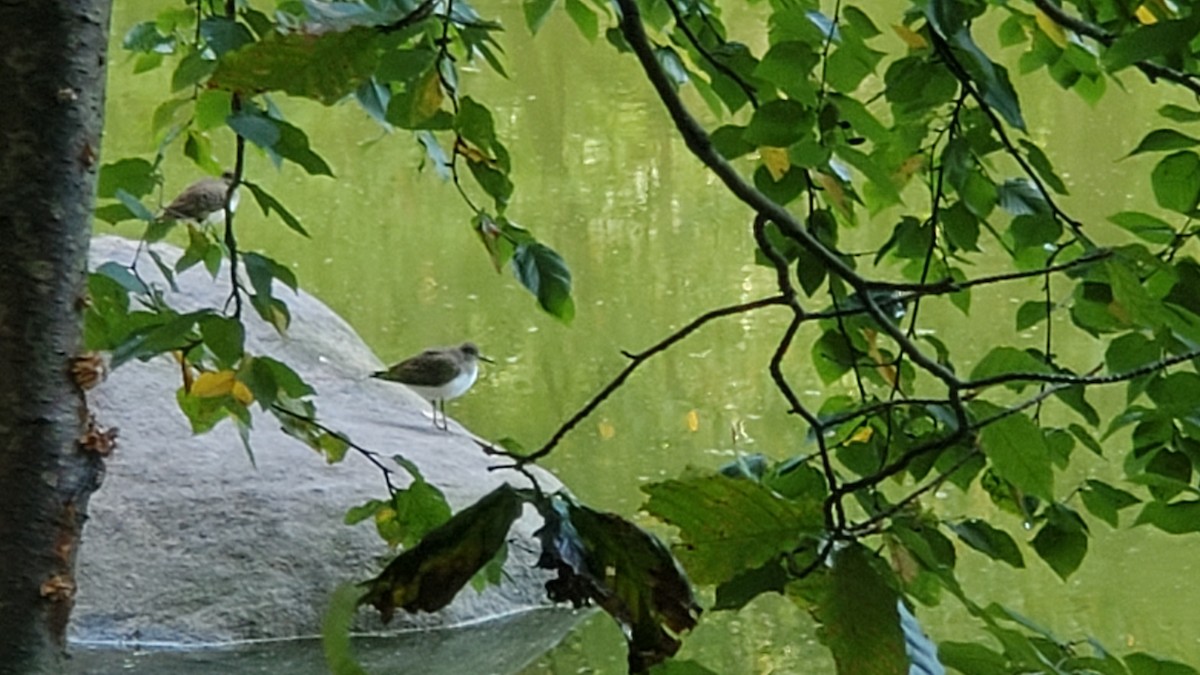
x=636, y=360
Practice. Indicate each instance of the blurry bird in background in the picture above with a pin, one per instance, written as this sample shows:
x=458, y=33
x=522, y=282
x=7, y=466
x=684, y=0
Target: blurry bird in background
x=203, y=202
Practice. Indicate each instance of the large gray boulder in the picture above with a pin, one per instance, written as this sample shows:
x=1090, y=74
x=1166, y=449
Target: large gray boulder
x=188, y=543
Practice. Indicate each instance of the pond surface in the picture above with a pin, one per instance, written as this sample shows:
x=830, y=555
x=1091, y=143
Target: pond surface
x=653, y=241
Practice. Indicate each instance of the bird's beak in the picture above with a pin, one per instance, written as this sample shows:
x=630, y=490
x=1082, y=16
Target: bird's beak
x=481, y=357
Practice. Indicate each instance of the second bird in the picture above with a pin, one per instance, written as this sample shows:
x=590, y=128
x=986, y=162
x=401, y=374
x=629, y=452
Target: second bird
x=203, y=201
x=438, y=375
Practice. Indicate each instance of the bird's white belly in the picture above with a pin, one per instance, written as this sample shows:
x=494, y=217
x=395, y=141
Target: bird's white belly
x=450, y=390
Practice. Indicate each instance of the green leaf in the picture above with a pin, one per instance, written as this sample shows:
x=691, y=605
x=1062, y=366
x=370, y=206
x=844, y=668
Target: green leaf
x=738, y=591
x=972, y=658
x=728, y=140
x=789, y=65
x=990, y=541
x=1161, y=140
x=1176, y=518
x=789, y=186
x=1063, y=541
x=602, y=558
x=990, y=77
x=1031, y=313
x=1145, y=664
x=778, y=124
x=415, y=511
x=224, y=337
x=730, y=525
x=1017, y=451
x=536, y=12
x=145, y=37
x=134, y=205
x=1008, y=360
x=212, y=109
x=877, y=175
x=429, y=575
x=1179, y=113
x=1041, y=164
x=584, y=18
x=325, y=68
x=280, y=139
x=192, y=69
x=1020, y=196
x=858, y=617
x=541, y=270
x=223, y=35
x=979, y=194
x=1130, y=351
x=1105, y=501
x=336, y=624
x=1145, y=226
x=268, y=203
x=1150, y=41
x=1176, y=181
x=269, y=380
x=135, y=176
x=203, y=412
x=198, y=148
x=668, y=59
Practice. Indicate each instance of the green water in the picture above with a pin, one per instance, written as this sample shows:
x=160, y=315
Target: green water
x=653, y=241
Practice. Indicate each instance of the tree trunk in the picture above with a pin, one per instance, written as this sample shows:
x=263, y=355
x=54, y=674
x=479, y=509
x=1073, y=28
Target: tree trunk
x=52, y=71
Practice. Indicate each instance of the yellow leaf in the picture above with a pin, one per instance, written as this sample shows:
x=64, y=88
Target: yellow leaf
x=472, y=153
x=242, y=393
x=211, y=384
x=776, y=160
x=908, y=167
x=886, y=370
x=834, y=193
x=429, y=96
x=693, y=420
x=863, y=435
x=911, y=38
x=1052, y=30
x=903, y=561
x=607, y=430
x=1152, y=11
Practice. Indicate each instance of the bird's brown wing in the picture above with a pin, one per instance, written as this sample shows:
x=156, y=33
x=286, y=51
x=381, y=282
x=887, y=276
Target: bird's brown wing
x=199, y=199
x=429, y=369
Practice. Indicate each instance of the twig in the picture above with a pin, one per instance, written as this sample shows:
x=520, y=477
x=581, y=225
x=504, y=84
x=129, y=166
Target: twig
x=370, y=455
x=636, y=360
x=749, y=91
x=964, y=79
x=1149, y=69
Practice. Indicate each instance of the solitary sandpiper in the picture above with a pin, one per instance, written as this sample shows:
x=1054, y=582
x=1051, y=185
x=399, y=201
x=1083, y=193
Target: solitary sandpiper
x=203, y=201
x=438, y=375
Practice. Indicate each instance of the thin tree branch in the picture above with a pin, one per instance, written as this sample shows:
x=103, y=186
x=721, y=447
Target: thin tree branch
x=1152, y=71
x=749, y=91
x=370, y=455
x=943, y=49
x=636, y=360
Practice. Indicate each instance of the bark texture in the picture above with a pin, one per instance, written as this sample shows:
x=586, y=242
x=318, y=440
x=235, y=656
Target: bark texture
x=52, y=72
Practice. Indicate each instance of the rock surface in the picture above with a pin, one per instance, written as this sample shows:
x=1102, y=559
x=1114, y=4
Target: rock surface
x=188, y=543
